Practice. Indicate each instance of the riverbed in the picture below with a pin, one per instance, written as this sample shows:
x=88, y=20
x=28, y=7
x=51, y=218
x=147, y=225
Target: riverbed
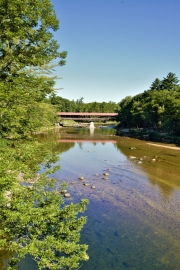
x=134, y=211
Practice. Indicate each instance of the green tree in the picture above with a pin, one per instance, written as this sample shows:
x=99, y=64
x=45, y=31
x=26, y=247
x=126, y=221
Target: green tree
x=170, y=82
x=32, y=215
x=156, y=84
x=124, y=114
x=27, y=54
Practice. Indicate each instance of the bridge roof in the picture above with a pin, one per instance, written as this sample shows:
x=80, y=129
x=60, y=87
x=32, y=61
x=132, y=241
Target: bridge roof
x=86, y=114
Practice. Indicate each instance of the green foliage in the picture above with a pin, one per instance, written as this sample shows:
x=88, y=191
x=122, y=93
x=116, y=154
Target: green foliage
x=33, y=217
x=65, y=105
x=156, y=109
x=27, y=55
x=68, y=123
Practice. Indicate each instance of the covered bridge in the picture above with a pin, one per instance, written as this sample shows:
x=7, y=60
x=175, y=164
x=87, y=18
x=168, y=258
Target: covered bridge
x=87, y=116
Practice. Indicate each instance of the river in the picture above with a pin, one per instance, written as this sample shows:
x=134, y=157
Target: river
x=134, y=212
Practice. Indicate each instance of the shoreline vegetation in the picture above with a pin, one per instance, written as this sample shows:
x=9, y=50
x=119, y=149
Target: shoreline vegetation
x=149, y=135
x=153, y=114
x=142, y=134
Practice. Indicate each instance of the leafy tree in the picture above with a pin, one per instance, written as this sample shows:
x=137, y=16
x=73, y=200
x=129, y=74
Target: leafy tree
x=124, y=114
x=27, y=55
x=32, y=215
x=156, y=108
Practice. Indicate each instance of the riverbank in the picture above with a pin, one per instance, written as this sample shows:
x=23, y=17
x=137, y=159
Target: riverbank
x=149, y=135
x=72, y=123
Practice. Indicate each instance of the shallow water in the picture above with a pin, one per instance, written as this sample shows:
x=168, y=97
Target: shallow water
x=133, y=216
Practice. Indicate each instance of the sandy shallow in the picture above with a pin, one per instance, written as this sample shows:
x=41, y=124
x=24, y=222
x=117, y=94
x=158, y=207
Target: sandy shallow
x=165, y=146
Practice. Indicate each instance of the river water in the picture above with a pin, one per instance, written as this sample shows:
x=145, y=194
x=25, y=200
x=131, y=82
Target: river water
x=134, y=214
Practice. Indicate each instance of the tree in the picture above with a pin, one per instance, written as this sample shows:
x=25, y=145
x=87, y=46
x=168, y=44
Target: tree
x=156, y=84
x=124, y=114
x=32, y=215
x=170, y=82
x=27, y=54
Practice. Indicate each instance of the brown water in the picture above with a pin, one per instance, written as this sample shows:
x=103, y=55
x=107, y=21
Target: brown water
x=134, y=215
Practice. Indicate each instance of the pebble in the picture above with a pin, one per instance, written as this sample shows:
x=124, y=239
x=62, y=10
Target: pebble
x=67, y=195
x=105, y=178
x=139, y=162
x=132, y=157
x=106, y=174
x=93, y=187
x=86, y=184
x=81, y=178
x=64, y=191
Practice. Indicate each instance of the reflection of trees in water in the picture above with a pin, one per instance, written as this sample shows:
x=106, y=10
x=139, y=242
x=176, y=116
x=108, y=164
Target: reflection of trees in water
x=80, y=145
x=164, y=174
x=50, y=142
x=63, y=147
x=158, y=173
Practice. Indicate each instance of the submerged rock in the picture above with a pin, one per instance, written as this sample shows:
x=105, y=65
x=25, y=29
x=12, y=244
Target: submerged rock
x=106, y=174
x=139, y=162
x=81, y=178
x=93, y=187
x=86, y=184
x=132, y=157
x=67, y=195
x=64, y=191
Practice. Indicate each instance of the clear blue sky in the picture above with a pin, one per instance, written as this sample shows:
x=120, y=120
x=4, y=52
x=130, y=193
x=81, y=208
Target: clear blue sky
x=116, y=48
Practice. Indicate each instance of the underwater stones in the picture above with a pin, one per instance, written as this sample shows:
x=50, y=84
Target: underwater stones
x=132, y=157
x=132, y=148
x=139, y=162
x=67, y=195
x=81, y=178
x=105, y=178
x=64, y=191
x=105, y=174
x=93, y=187
x=86, y=184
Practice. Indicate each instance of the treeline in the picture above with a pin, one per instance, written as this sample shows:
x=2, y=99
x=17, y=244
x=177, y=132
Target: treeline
x=157, y=108
x=65, y=105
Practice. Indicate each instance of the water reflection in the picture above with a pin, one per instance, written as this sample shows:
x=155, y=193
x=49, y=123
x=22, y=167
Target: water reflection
x=160, y=164
x=130, y=223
